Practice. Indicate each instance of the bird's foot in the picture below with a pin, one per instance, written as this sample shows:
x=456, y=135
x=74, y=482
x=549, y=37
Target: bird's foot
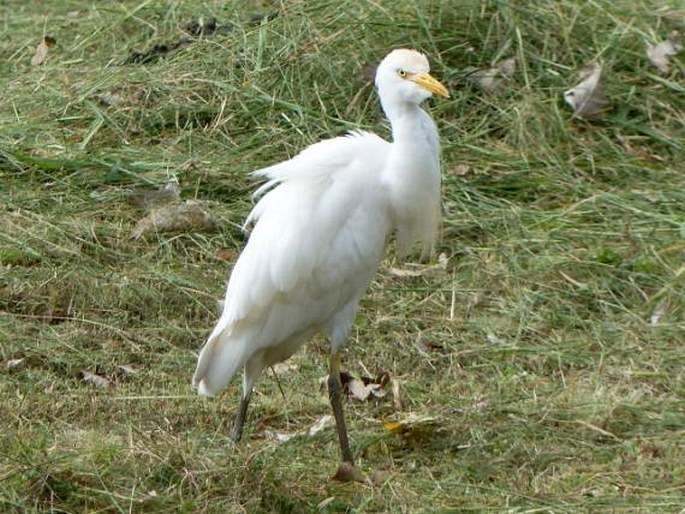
x=348, y=472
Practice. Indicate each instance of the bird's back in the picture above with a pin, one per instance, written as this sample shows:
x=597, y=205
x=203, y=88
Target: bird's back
x=318, y=235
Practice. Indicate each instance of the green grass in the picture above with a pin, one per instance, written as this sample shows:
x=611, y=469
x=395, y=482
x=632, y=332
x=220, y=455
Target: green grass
x=550, y=387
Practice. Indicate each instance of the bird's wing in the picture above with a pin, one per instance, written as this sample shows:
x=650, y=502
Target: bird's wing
x=326, y=158
x=295, y=222
x=306, y=214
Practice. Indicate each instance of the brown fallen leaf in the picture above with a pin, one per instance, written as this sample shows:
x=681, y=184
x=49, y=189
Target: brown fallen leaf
x=41, y=54
x=418, y=270
x=348, y=473
x=147, y=200
x=587, y=98
x=491, y=79
x=325, y=503
x=188, y=216
x=283, y=368
x=494, y=340
x=94, y=379
x=416, y=428
x=280, y=437
x=362, y=388
x=410, y=423
x=320, y=424
x=427, y=346
x=659, y=54
x=365, y=387
x=404, y=273
x=15, y=363
x=225, y=254
x=123, y=96
x=461, y=170
x=109, y=99
x=361, y=391
x=126, y=370
x=397, y=400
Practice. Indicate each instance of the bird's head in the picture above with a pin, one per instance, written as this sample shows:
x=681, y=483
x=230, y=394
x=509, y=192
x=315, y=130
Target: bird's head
x=403, y=76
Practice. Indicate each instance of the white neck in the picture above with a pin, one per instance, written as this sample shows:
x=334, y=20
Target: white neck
x=413, y=131
x=413, y=174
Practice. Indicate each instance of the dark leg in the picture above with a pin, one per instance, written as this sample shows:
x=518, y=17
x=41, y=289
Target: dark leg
x=240, y=417
x=335, y=396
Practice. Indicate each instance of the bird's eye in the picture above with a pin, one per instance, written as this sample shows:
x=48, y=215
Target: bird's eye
x=402, y=73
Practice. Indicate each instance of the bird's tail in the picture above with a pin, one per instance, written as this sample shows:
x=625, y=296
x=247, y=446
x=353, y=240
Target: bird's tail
x=221, y=357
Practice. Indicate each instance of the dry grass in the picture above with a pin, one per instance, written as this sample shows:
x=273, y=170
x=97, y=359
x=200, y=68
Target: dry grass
x=538, y=352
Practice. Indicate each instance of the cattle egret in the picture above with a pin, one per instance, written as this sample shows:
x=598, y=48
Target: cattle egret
x=318, y=236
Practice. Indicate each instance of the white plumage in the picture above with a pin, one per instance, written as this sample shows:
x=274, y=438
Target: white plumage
x=319, y=233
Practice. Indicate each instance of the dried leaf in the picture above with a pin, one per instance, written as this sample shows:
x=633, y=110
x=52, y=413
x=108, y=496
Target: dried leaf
x=495, y=340
x=403, y=273
x=280, y=437
x=109, y=99
x=93, y=379
x=361, y=391
x=491, y=79
x=225, y=254
x=15, y=363
x=587, y=98
x=126, y=370
x=348, y=473
x=321, y=423
x=410, y=423
x=461, y=170
x=507, y=67
x=392, y=426
x=41, y=54
x=659, y=54
x=168, y=193
x=419, y=270
x=397, y=401
x=124, y=96
x=282, y=368
x=363, y=388
x=480, y=406
x=184, y=217
x=325, y=503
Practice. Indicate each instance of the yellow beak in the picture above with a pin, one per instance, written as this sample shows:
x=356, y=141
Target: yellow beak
x=429, y=83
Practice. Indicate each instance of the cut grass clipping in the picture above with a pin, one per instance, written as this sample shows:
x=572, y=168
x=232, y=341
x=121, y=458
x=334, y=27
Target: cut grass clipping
x=537, y=366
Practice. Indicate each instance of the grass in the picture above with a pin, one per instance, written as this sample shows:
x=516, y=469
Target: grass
x=548, y=354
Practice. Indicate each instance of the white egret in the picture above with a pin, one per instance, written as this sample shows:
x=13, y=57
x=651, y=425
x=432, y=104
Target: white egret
x=319, y=233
